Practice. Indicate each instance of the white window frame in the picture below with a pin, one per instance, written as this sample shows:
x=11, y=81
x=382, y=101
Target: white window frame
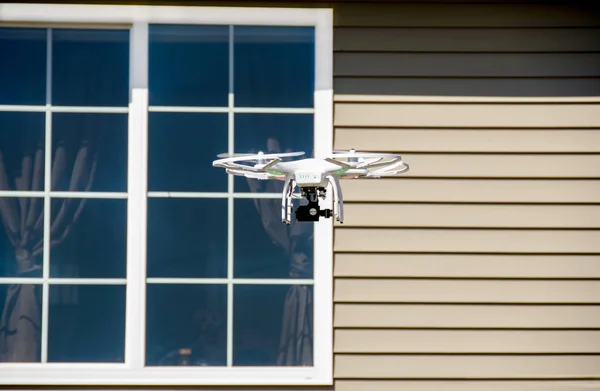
x=133, y=372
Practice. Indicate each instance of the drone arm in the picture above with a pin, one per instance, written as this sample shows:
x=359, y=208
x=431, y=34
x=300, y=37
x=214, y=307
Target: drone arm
x=285, y=201
x=338, y=163
x=338, y=198
x=292, y=185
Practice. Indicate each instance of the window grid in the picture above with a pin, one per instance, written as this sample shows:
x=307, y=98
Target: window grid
x=230, y=195
x=133, y=373
x=47, y=194
x=231, y=110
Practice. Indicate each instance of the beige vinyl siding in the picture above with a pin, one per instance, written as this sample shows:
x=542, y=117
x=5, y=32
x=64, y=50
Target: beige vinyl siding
x=480, y=268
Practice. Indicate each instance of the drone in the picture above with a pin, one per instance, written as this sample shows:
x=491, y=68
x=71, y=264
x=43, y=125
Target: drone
x=312, y=176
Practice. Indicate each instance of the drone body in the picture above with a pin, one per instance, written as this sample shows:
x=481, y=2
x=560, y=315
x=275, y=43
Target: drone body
x=313, y=176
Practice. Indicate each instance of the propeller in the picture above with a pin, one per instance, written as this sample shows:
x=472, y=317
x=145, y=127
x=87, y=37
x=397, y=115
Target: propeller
x=260, y=156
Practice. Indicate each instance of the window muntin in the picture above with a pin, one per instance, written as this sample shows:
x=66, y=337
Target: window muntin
x=133, y=370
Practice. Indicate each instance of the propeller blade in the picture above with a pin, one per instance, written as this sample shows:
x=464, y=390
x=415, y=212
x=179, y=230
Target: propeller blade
x=226, y=155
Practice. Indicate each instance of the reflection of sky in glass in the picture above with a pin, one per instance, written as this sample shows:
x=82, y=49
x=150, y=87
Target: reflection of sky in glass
x=181, y=149
x=258, y=330
x=95, y=245
x=93, y=146
x=22, y=66
x=188, y=65
x=21, y=138
x=264, y=247
x=90, y=67
x=86, y=323
x=186, y=324
x=187, y=237
x=274, y=66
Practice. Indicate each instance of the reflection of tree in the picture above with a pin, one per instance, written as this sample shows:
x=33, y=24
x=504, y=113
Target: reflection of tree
x=23, y=220
x=296, y=341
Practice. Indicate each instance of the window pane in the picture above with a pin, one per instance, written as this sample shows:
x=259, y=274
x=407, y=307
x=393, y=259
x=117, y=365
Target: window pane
x=188, y=65
x=22, y=66
x=264, y=247
x=89, y=152
x=88, y=238
x=274, y=66
x=20, y=322
x=22, y=237
x=273, y=325
x=86, y=323
x=90, y=67
x=271, y=133
x=186, y=325
x=187, y=237
x=21, y=151
x=182, y=148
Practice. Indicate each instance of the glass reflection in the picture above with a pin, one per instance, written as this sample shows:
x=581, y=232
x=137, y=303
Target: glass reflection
x=90, y=67
x=273, y=325
x=187, y=237
x=188, y=65
x=88, y=238
x=21, y=151
x=264, y=247
x=182, y=148
x=274, y=66
x=22, y=238
x=86, y=323
x=20, y=322
x=271, y=133
x=186, y=325
x=89, y=152
x=23, y=66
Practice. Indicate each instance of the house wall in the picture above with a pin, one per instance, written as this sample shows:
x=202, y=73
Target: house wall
x=479, y=269
x=480, y=263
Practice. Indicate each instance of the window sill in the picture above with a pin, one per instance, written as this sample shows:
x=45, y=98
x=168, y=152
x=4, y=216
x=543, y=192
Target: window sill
x=121, y=375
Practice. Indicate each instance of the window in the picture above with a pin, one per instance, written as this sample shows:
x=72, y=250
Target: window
x=126, y=258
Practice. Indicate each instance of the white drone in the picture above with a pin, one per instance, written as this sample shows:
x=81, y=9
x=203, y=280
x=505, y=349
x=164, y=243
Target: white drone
x=312, y=176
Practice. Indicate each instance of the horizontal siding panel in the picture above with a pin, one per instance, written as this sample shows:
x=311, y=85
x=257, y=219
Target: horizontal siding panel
x=464, y=15
x=472, y=190
x=467, y=86
x=465, y=216
x=503, y=166
x=466, y=40
x=466, y=316
x=466, y=240
x=467, y=265
x=467, y=64
x=467, y=115
x=465, y=291
x=460, y=367
x=466, y=341
x=471, y=140
x=464, y=385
